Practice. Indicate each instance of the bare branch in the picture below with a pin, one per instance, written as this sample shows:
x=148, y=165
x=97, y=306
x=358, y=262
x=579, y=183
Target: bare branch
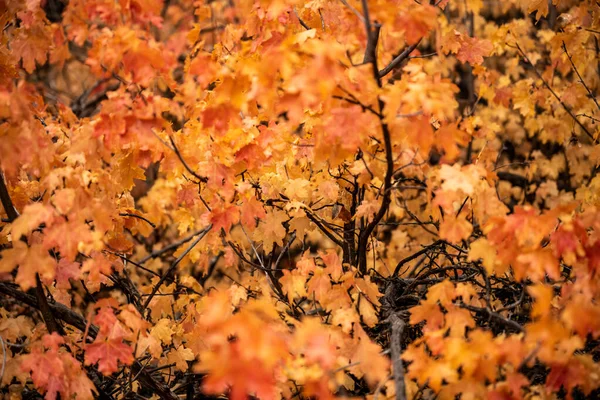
x=7, y=203
x=398, y=59
x=566, y=108
x=398, y=326
x=174, y=265
x=593, y=97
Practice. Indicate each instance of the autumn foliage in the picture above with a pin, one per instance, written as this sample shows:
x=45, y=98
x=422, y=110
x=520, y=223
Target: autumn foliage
x=380, y=199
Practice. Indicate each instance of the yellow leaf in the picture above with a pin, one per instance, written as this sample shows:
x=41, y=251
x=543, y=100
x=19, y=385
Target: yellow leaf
x=367, y=312
x=162, y=331
x=293, y=284
x=482, y=249
x=304, y=36
x=180, y=357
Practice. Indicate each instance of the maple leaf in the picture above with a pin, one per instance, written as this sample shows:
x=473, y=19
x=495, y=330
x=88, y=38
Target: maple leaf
x=367, y=209
x=108, y=353
x=428, y=312
x=369, y=289
x=97, y=267
x=242, y=376
x=346, y=318
x=298, y=190
x=316, y=343
x=56, y=372
x=31, y=46
x=482, y=249
x=537, y=264
x=333, y=264
x=540, y=7
x=319, y=284
x=443, y=292
x=455, y=230
x=293, y=284
x=251, y=212
x=31, y=218
x=31, y=260
x=180, y=357
x=543, y=297
x=458, y=320
x=367, y=312
x=162, y=331
x=68, y=237
x=65, y=271
x=271, y=229
x=372, y=363
x=472, y=50
x=13, y=328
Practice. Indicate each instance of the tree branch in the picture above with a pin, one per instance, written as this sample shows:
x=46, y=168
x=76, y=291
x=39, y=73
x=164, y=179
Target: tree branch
x=398, y=326
x=398, y=59
x=415, y=255
x=74, y=319
x=562, y=103
x=174, y=265
x=564, y=46
x=7, y=203
x=363, y=239
x=44, y=307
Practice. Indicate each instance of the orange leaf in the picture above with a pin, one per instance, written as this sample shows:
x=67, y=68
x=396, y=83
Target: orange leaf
x=107, y=353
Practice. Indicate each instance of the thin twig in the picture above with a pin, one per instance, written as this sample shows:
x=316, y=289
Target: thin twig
x=354, y=10
x=398, y=60
x=564, y=46
x=74, y=319
x=185, y=164
x=138, y=217
x=415, y=255
x=3, y=359
x=172, y=246
x=174, y=265
x=564, y=106
x=508, y=322
x=304, y=25
x=7, y=203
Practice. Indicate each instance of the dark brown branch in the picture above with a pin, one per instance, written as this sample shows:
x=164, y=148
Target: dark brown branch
x=415, y=255
x=59, y=310
x=172, y=246
x=47, y=315
x=372, y=40
x=51, y=323
x=364, y=236
x=77, y=321
x=7, y=203
x=507, y=322
x=185, y=164
x=242, y=257
x=323, y=229
x=398, y=59
x=514, y=179
x=398, y=326
x=284, y=250
x=139, y=217
x=174, y=265
x=304, y=25
x=211, y=29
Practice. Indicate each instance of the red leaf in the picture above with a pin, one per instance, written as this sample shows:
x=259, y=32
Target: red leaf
x=107, y=353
